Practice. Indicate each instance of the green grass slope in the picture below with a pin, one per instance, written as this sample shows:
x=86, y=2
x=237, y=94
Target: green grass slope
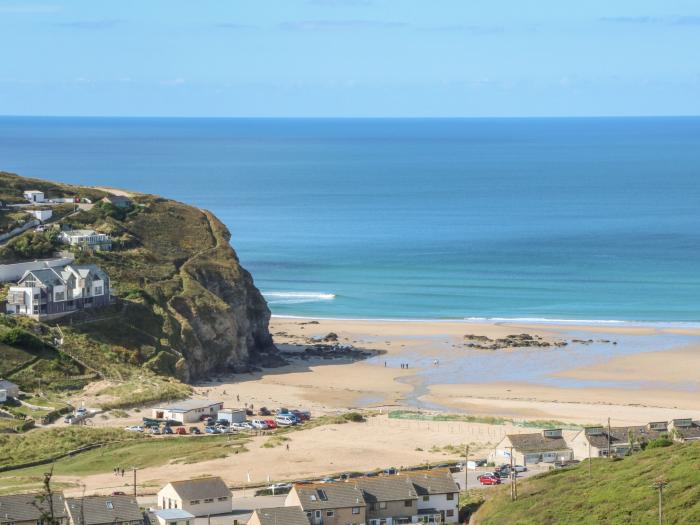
x=618, y=492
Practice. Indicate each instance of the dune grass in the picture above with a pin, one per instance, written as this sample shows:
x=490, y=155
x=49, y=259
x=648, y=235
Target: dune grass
x=618, y=492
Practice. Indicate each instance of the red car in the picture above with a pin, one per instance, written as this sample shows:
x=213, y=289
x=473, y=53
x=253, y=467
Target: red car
x=270, y=423
x=489, y=479
x=181, y=431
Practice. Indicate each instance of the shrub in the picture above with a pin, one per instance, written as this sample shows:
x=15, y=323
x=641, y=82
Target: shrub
x=659, y=443
x=21, y=338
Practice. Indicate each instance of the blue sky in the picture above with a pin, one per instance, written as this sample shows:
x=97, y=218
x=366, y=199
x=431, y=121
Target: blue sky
x=350, y=58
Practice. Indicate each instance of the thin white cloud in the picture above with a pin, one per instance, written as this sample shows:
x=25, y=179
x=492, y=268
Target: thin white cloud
x=321, y=25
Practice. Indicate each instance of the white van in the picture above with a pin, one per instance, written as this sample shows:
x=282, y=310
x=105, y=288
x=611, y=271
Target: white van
x=285, y=420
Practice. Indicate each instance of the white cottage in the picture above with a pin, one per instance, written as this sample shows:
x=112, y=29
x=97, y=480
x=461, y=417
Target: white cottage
x=200, y=497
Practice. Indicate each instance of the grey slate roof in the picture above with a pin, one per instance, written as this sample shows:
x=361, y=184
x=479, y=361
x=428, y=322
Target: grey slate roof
x=435, y=481
x=536, y=442
x=202, y=488
x=101, y=510
x=29, y=507
x=386, y=488
x=620, y=436
x=282, y=516
x=337, y=496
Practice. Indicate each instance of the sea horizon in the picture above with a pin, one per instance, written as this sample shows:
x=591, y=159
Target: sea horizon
x=581, y=219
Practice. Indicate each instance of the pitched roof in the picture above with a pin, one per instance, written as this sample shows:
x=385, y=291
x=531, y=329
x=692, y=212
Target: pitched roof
x=435, y=481
x=29, y=507
x=189, y=404
x=691, y=431
x=173, y=514
x=281, y=516
x=620, y=435
x=201, y=488
x=536, y=442
x=100, y=510
x=386, y=488
x=329, y=496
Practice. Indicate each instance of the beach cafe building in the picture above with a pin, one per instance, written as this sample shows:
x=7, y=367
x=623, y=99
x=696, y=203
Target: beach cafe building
x=189, y=411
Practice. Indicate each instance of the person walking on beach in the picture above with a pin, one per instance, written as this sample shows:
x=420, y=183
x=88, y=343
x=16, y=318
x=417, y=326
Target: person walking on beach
x=287, y=447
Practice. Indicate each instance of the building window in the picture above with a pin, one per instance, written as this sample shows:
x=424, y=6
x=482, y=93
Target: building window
x=408, y=503
x=110, y=506
x=450, y=496
x=209, y=500
x=356, y=510
x=330, y=513
x=449, y=513
x=382, y=504
x=223, y=499
x=426, y=498
x=60, y=296
x=194, y=502
x=98, y=290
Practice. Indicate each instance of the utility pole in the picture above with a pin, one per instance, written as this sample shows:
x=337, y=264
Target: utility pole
x=609, y=438
x=466, y=467
x=659, y=485
x=513, y=495
x=134, y=481
x=590, y=472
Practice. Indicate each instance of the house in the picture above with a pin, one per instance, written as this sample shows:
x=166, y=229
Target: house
x=172, y=517
x=598, y=438
x=86, y=238
x=11, y=390
x=53, y=292
x=547, y=446
x=118, y=201
x=42, y=215
x=104, y=510
x=32, y=509
x=279, y=516
x=200, y=497
x=438, y=495
x=188, y=411
x=3, y=395
x=329, y=503
x=389, y=499
x=34, y=195
x=232, y=415
x=680, y=429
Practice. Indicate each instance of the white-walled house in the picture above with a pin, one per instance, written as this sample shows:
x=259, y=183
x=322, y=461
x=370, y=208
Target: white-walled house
x=437, y=492
x=34, y=195
x=11, y=390
x=188, y=411
x=200, y=497
x=42, y=215
x=547, y=446
x=173, y=517
x=87, y=238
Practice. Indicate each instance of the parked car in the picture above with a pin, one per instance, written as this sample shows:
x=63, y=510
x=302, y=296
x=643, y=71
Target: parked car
x=195, y=430
x=210, y=421
x=212, y=430
x=259, y=424
x=280, y=488
x=285, y=420
x=328, y=480
x=391, y=471
x=270, y=423
x=155, y=431
x=181, y=431
x=301, y=416
x=489, y=479
x=244, y=425
x=264, y=411
x=118, y=493
x=68, y=419
x=249, y=412
x=223, y=422
x=520, y=468
x=168, y=430
x=134, y=428
x=204, y=417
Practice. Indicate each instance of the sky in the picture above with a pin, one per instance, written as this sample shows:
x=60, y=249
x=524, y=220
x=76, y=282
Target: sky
x=350, y=58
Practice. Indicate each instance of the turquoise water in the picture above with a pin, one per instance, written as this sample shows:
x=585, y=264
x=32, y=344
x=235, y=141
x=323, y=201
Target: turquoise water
x=595, y=219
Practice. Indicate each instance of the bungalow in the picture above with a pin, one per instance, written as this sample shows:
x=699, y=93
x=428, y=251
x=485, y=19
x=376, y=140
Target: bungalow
x=172, y=517
x=597, y=439
x=200, y=497
x=188, y=411
x=42, y=215
x=86, y=238
x=118, y=201
x=684, y=429
x=279, y=516
x=11, y=390
x=329, y=503
x=34, y=195
x=438, y=495
x=32, y=509
x=104, y=510
x=49, y=293
x=547, y=446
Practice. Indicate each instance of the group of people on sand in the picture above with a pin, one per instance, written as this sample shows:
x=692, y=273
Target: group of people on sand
x=118, y=471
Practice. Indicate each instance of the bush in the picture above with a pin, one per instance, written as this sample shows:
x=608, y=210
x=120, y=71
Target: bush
x=355, y=417
x=21, y=338
x=659, y=443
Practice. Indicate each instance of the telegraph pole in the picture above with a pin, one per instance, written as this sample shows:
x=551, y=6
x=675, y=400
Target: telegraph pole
x=609, y=438
x=134, y=481
x=659, y=485
x=590, y=472
x=466, y=467
x=513, y=495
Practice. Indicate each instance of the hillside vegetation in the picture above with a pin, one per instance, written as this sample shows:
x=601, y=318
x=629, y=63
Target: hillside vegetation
x=619, y=492
x=184, y=307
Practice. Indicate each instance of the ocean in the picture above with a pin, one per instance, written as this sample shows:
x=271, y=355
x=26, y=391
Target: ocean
x=544, y=219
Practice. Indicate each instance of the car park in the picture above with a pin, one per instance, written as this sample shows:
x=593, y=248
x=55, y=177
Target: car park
x=168, y=430
x=259, y=424
x=285, y=420
x=195, y=430
x=155, y=431
x=212, y=430
x=270, y=423
x=181, y=431
x=223, y=422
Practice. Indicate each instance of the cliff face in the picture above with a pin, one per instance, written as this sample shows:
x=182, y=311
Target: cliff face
x=185, y=306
